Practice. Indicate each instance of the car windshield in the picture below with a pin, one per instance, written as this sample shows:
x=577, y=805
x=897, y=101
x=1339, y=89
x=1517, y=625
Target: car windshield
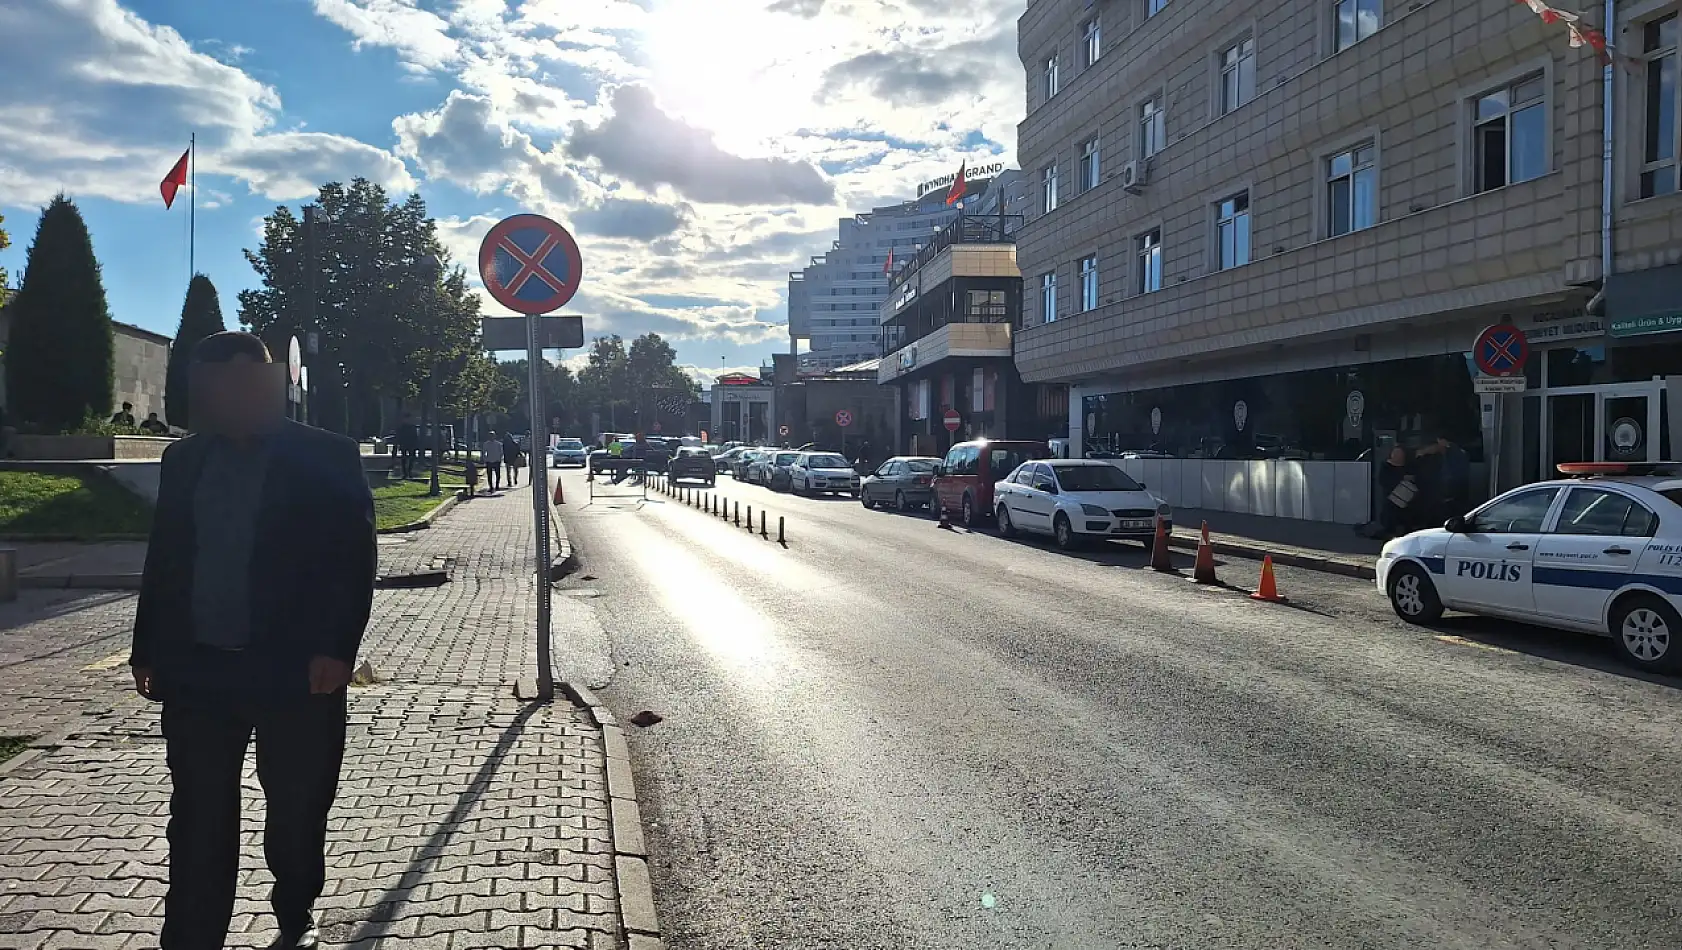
x=569, y=444
x=1093, y=478
x=691, y=453
x=923, y=466
x=786, y=458
x=826, y=461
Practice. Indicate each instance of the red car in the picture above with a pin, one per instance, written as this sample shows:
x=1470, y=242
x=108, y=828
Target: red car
x=963, y=482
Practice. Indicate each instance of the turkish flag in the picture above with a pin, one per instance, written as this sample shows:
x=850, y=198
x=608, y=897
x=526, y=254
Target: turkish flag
x=173, y=181
x=957, y=189
x=888, y=268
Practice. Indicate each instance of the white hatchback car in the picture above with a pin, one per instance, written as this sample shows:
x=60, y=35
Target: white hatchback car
x=822, y=472
x=1077, y=499
x=1598, y=553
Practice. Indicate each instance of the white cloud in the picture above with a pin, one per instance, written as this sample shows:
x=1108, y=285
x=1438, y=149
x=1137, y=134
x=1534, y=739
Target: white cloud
x=421, y=39
x=110, y=101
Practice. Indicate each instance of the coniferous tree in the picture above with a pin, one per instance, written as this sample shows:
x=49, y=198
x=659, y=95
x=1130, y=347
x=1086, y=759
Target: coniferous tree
x=59, y=360
x=201, y=315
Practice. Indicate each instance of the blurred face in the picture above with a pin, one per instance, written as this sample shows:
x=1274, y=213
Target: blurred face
x=1398, y=457
x=239, y=398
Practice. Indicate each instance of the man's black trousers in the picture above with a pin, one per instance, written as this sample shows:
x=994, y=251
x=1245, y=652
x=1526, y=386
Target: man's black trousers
x=300, y=745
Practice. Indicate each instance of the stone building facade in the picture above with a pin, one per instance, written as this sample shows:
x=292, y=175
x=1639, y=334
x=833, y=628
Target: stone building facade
x=1271, y=231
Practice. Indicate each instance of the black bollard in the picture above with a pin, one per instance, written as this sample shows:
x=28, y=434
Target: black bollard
x=780, y=537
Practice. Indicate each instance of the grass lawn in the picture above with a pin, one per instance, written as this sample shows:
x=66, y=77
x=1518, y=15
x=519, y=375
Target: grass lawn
x=36, y=503
x=399, y=502
x=12, y=745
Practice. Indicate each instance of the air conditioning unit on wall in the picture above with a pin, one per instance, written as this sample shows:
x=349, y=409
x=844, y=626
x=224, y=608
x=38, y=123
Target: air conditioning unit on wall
x=1134, y=176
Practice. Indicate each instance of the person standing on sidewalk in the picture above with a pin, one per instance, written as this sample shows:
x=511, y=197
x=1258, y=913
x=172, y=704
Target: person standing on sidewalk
x=511, y=458
x=258, y=584
x=490, y=452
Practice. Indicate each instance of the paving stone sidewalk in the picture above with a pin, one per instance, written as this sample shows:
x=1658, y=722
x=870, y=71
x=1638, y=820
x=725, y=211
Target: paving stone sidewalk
x=465, y=818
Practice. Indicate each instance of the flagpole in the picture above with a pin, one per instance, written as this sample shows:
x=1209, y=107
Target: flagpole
x=192, y=204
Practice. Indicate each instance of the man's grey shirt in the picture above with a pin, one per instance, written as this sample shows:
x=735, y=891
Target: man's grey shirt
x=225, y=505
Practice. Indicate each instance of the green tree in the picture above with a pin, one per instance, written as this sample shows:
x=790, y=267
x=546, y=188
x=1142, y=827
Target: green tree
x=560, y=395
x=201, y=315
x=651, y=365
x=605, y=382
x=5, y=242
x=59, y=360
x=388, y=318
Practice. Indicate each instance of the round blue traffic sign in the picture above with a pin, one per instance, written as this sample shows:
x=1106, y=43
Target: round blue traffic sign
x=1501, y=350
x=530, y=264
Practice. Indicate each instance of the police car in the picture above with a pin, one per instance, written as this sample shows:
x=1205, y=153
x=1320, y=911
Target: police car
x=1597, y=552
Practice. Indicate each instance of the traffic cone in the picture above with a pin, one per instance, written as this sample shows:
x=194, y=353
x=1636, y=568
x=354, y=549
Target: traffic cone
x=1269, y=590
x=1160, y=559
x=560, y=491
x=1204, y=570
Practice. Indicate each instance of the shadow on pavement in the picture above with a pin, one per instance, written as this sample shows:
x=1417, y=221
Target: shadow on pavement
x=379, y=917
x=1561, y=646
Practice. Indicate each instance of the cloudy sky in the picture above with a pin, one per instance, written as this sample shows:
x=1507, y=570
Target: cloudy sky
x=699, y=149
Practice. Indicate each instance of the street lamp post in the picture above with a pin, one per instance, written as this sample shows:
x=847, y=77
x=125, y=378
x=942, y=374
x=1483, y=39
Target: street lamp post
x=433, y=267
x=315, y=220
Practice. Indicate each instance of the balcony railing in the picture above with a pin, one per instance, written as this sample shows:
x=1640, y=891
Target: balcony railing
x=966, y=229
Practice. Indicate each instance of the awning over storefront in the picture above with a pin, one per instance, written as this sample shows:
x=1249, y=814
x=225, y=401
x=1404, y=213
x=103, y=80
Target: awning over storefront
x=1644, y=302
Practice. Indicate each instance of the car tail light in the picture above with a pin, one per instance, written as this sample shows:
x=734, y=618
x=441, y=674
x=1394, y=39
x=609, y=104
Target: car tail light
x=922, y=480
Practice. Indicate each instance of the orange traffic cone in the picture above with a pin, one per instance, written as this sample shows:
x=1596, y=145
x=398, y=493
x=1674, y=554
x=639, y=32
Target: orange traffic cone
x=1203, y=571
x=560, y=491
x=1269, y=590
x=1160, y=559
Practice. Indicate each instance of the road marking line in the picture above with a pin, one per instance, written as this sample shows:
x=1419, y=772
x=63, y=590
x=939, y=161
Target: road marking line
x=109, y=663
x=1463, y=642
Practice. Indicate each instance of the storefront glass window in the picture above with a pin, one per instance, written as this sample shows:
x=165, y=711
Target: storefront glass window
x=1594, y=365
x=1337, y=414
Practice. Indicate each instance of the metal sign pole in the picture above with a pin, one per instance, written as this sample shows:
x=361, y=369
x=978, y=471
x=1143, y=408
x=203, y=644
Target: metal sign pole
x=539, y=477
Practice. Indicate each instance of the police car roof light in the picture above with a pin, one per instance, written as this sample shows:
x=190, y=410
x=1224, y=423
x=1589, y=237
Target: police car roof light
x=1586, y=469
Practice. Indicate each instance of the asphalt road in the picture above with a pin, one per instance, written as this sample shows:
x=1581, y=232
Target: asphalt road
x=892, y=735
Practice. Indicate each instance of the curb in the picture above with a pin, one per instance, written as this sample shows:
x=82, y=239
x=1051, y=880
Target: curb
x=426, y=520
x=1257, y=552
x=80, y=581
x=637, y=916
x=77, y=538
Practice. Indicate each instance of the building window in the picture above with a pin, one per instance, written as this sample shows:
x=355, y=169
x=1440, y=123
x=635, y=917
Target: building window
x=1051, y=86
x=1048, y=297
x=1089, y=283
x=1153, y=7
x=1089, y=169
x=1351, y=190
x=1232, y=230
x=987, y=306
x=1094, y=37
x=1663, y=101
x=1510, y=134
x=1238, y=75
x=1150, y=262
x=1152, y=128
x=1356, y=20
x=1048, y=189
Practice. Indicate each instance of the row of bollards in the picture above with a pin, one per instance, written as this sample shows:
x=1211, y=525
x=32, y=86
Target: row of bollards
x=723, y=508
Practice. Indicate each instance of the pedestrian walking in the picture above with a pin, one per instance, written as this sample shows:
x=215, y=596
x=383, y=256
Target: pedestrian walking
x=490, y=452
x=511, y=457
x=408, y=441
x=258, y=583
x=472, y=476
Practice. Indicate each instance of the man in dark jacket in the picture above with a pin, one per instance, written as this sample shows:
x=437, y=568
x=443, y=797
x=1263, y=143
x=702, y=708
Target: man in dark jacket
x=257, y=588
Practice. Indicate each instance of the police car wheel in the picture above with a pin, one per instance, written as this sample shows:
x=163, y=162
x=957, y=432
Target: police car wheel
x=1646, y=630
x=1413, y=596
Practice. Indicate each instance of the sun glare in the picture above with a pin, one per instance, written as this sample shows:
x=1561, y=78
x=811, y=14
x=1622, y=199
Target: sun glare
x=735, y=69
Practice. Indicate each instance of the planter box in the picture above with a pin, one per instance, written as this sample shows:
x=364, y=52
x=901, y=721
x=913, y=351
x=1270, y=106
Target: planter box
x=82, y=448
x=61, y=448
